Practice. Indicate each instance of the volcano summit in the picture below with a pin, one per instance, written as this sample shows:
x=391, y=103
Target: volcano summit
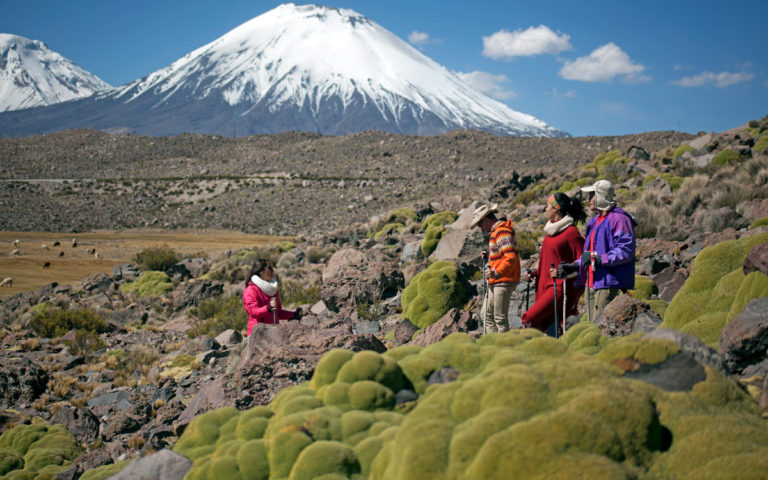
x=307, y=68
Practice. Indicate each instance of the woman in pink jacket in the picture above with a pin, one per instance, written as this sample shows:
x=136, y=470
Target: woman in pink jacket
x=261, y=298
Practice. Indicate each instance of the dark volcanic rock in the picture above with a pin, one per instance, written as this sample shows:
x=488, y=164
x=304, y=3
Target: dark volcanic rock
x=744, y=341
x=189, y=294
x=669, y=281
x=22, y=381
x=347, y=286
x=626, y=315
x=80, y=422
x=404, y=331
x=757, y=260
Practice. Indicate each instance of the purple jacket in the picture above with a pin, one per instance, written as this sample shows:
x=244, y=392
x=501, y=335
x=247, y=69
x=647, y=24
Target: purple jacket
x=615, y=243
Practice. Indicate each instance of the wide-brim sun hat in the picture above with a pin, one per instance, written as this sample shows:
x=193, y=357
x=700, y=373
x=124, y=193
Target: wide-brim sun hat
x=481, y=212
x=604, y=192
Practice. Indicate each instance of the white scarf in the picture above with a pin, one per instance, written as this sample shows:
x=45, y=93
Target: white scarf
x=269, y=288
x=553, y=229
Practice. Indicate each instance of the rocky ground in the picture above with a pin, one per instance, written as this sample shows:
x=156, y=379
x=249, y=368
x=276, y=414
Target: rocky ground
x=157, y=355
x=281, y=184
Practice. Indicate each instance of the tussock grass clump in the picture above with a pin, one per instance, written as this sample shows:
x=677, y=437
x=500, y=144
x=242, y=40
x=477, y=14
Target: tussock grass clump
x=159, y=258
x=85, y=343
x=49, y=322
x=214, y=315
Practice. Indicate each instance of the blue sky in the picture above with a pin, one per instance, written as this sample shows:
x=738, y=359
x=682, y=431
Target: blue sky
x=586, y=67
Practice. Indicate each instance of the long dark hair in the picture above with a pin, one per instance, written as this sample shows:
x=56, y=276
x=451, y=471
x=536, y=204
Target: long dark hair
x=257, y=267
x=571, y=206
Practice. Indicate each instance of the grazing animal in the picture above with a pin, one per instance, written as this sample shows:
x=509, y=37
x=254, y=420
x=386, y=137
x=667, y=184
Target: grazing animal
x=91, y=251
x=47, y=265
x=15, y=251
x=45, y=247
x=74, y=242
x=16, y=243
x=61, y=254
x=56, y=243
x=96, y=254
x=8, y=281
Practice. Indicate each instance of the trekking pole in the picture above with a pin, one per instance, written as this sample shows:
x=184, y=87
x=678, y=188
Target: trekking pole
x=586, y=290
x=554, y=284
x=565, y=300
x=527, y=292
x=485, y=294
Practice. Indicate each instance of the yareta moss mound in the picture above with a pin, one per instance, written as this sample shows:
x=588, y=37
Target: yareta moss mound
x=433, y=292
x=523, y=406
x=717, y=290
x=36, y=452
x=434, y=229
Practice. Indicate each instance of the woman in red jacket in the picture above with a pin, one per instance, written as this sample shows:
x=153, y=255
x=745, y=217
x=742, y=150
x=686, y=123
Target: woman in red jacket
x=261, y=298
x=562, y=243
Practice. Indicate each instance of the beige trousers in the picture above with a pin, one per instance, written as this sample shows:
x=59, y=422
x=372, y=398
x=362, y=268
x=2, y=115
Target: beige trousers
x=497, y=307
x=598, y=299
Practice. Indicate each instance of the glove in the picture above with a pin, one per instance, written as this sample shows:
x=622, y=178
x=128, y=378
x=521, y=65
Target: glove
x=597, y=260
x=298, y=314
x=564, y=269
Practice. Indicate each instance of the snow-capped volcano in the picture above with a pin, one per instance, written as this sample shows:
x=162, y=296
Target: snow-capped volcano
x=32, y=75
x=307, y=68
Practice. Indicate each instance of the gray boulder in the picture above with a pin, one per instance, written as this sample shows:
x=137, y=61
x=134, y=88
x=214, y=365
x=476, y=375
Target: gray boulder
x=744, y=341
x=626, y=315
x=163, y=465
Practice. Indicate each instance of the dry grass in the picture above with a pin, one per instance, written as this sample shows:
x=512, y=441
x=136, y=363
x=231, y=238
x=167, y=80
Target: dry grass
x=113, y=247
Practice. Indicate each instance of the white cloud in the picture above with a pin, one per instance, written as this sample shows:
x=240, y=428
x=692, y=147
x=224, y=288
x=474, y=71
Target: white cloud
x=720, y=80
x=420, y=38
x=603, y=65
x=488, y=83
x=568, y=94
x=504, y=45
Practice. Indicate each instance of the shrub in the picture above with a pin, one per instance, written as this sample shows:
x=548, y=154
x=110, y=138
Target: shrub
x=85, y=343
x=682, y=149
x=295, y=293
x=388, y=229
x=37, y=451
x=433, y=292
x=527, y=243
x=761, y=145
x=51, y=323
x=159, y=258
x=214, y=315
x=148, y=284
x=726, y=157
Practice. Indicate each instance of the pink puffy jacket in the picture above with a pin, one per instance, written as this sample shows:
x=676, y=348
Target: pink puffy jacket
x=256, y=303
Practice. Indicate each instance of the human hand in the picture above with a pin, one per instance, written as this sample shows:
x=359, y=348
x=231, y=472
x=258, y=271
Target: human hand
x=554, y=272
x=298, y=314
x=273, y=303
x=494, y=273
x=564, y=269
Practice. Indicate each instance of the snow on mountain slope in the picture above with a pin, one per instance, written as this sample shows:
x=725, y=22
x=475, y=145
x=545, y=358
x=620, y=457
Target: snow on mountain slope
x=32, y=75
x=311, y=58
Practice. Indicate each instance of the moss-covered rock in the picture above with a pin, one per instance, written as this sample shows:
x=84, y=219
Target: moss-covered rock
x=149, y=283
x=760, y=222
x=36, y=451
x=433, y=292
x=707, y=300
x=105, y=471
x=522, y=403
x=644, y=288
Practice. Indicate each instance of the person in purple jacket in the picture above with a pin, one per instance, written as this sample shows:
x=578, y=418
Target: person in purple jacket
x=607, y=264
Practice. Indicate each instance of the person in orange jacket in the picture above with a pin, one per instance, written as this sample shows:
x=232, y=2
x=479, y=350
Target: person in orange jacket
x=503, y=272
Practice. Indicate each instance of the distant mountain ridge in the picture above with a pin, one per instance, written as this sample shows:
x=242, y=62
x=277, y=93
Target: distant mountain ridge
x=32, y=75
x=305, y=68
